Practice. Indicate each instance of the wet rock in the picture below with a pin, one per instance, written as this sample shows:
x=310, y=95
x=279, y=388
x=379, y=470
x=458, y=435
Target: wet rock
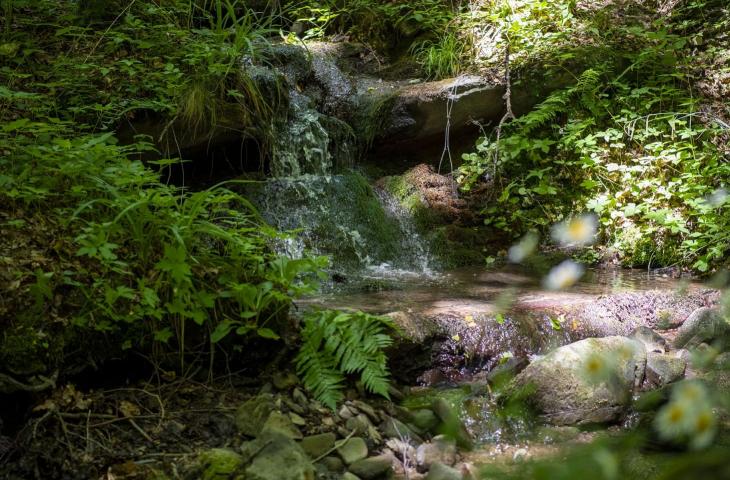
x=451, y=424
x=279, y=423
x=405, y=452
x=439, y=471
x=703, y=325
x=424, y=420
x=367, y=410
x=333, y=464
x=441, y=449
x=418, y=113
x=301, y=399
x=394, y=428
x=219, y=463
x=353, y=450
x=276, y=457
x=318, y=445
x=662, y=369
x=653, y=342
x=345, y=413
x=590, y=381
x=284, y=380
x=252, y=414
x=373, y=467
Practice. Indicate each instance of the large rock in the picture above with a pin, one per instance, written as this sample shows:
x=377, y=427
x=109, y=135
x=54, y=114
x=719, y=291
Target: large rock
x=589, y=381
x=420, y=110
x=219, y=464
x=662, y=368
x=703, y=325
x=274, y=456
x=373, y=467
x=439, y=471
x=252, y=414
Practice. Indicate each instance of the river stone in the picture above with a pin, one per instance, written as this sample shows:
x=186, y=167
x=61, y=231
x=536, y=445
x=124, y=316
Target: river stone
x=653, y=342
x=662, y=368
x=219, y=463
x=360, y=424
x=278, y=422
x=373, y=467
x=350, y=476
x=318, y=445
x=394, y=428
x=451, y=424
x=252, y=414
x=440, y=450
x=352, y=450
x=424, y=420
x=703, y=325
x=439, y=471
x=276, y=457
x=333, y=464
x=560, y=388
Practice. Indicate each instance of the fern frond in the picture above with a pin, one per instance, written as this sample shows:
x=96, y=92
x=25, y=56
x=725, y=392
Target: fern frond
x=336, y=344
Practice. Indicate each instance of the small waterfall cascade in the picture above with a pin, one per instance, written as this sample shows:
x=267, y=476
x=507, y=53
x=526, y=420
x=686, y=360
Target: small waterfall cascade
x=362, y=229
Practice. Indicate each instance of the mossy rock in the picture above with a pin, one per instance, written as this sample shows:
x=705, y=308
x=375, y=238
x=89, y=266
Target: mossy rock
x=220, y=464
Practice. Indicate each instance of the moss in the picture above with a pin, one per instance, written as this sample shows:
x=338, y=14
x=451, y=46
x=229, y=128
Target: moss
x=637, y=249
x=219, y=464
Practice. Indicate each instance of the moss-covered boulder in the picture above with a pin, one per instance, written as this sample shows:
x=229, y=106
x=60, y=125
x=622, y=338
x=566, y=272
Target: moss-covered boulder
x=220, y=464
x=590, y=381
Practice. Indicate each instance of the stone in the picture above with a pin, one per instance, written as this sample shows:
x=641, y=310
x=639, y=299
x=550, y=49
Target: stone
x=300, y=398
x=252, y=414
x=441, y=449
x=439, y=471
x=703, y=325
x=284, y=380
x=219, y=463
x=297, y=420
x=403, y=450
x=559, y=385
x=373, y=467
x=333, y=464
x=451, y=424
x=394, y=428
x=653, y=342
x=424, y=420
x=360, y=424
x=350, y=476
x=318, y=445
x=367, y=410
x=274, y=456
x=278, y=422
x=662, y=369
x=345, y=413
x=353, y=450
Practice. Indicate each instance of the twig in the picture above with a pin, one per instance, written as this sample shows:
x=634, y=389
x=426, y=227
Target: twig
x=337, y=445
x=139, y=429
x=24, y=387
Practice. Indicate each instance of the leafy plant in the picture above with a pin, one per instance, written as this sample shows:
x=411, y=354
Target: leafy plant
x=336, y=344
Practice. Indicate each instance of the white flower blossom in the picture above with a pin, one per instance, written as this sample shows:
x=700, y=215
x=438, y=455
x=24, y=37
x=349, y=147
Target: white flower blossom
x=563, y=276
x=576, y=231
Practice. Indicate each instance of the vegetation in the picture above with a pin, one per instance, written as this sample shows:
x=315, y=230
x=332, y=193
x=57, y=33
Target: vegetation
x=631, y=138
x=108, y=254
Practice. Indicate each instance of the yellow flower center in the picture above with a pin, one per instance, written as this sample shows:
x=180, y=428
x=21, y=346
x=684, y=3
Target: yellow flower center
x=676, y=414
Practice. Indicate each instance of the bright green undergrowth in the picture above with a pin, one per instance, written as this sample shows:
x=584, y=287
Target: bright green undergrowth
x=630, y=140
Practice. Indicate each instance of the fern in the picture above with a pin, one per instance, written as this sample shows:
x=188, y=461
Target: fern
x=336, y=344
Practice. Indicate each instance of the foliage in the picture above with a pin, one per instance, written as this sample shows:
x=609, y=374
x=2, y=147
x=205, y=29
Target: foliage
x=336, y=344
x=627, y=140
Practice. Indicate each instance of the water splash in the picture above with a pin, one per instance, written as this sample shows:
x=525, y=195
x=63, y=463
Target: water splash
x=363, y=230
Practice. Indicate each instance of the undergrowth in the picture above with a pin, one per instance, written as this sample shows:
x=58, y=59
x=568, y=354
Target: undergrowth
x=631, y=140
x=337, y=344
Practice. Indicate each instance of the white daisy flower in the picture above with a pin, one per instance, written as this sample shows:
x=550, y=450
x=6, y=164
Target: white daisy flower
x=563, y=276
x=523, y=249
x=576, y=231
